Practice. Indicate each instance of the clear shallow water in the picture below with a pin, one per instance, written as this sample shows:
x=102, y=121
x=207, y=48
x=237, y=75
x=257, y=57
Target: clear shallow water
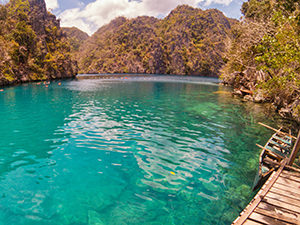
x=120, y=152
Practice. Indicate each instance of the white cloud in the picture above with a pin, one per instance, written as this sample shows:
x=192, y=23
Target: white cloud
x=223, y=2
x=101, y=12
x=51, y=4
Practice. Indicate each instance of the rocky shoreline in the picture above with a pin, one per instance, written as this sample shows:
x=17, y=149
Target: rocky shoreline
x=246, y=86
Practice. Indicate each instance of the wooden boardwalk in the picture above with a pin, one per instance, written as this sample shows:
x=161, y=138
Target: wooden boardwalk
x=278, y=201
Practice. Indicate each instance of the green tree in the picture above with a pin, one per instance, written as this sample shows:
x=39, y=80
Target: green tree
x=264, y=55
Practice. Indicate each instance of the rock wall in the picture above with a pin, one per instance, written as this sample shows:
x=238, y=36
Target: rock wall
x=34, y=46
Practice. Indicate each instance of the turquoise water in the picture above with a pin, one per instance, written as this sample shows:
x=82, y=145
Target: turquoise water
x=126, y=152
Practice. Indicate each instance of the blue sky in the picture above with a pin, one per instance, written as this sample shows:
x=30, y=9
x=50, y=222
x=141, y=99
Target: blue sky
x=89, y=15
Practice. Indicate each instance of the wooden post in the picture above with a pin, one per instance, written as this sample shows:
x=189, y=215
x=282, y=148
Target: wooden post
x=295, y=151
x=276, y=130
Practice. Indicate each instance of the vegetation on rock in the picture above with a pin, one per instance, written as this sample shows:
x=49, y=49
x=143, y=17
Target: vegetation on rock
x=32, y=45
x=262, y=61
x=75, y=37
x=187, y=41
x=264, y=55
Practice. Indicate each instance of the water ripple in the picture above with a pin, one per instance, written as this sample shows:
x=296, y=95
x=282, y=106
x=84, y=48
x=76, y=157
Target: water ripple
x=168, y=159
x=124, y=152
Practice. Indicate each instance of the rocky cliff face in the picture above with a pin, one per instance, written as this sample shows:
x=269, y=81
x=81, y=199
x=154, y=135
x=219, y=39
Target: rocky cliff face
x=32, y=43
x=75, y=36
x=187, y=41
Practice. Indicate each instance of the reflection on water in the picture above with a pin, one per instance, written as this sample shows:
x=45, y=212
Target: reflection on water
x=126, y=152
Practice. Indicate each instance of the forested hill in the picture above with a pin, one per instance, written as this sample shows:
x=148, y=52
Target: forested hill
x=263, y=61
x=75, y=36
x=32, y=44
x=187, y=41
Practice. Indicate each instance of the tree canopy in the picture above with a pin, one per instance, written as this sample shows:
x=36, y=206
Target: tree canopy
x=264, y=55
x=32, y=45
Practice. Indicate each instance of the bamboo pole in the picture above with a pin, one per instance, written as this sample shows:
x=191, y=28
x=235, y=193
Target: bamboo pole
x=295, y=151
x=279, y=163
x=270, y=152
x=271, y=128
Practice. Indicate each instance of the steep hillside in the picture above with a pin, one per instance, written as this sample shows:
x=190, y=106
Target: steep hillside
x=187, y=41
x=75, y=37
x=32, y=45
x=263, y=61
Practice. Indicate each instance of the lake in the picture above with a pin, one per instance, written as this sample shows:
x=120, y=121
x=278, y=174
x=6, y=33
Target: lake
x=127, y=151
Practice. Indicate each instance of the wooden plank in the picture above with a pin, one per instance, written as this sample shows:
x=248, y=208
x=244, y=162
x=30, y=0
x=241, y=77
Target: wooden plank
x=277, y=211
x=282, y=204
x=281, y=146
x=271, y=162
x=294, y=175
x=292, y=169
x=287, y=188
x=260, y=195
x=288, y=182
x=288, y=169
x=266, y=219
x=249, y=208
x=281, y=139
x=278, y=217
x=291, y=173
x=288, y=193
x=291, y=178
x=283, y=198
x=251, y=222
x=275, y=155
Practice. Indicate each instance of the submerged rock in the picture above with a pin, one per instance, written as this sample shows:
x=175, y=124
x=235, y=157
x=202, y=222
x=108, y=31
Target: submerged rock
x=259, y=97
x=248, y=98
x=94, y=218
x=237, y=92
x=206, y=109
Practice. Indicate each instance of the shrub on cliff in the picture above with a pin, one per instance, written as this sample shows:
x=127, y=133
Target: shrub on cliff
x=264, y=55
x=32, y=44
x=187, y=41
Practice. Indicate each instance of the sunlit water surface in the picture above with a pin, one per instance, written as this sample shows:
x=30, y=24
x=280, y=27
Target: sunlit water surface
x=126, y=152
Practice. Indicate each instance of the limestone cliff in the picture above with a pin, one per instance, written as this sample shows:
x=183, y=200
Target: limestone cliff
x=75, y=36
x=188, y=41
x=32, y=44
